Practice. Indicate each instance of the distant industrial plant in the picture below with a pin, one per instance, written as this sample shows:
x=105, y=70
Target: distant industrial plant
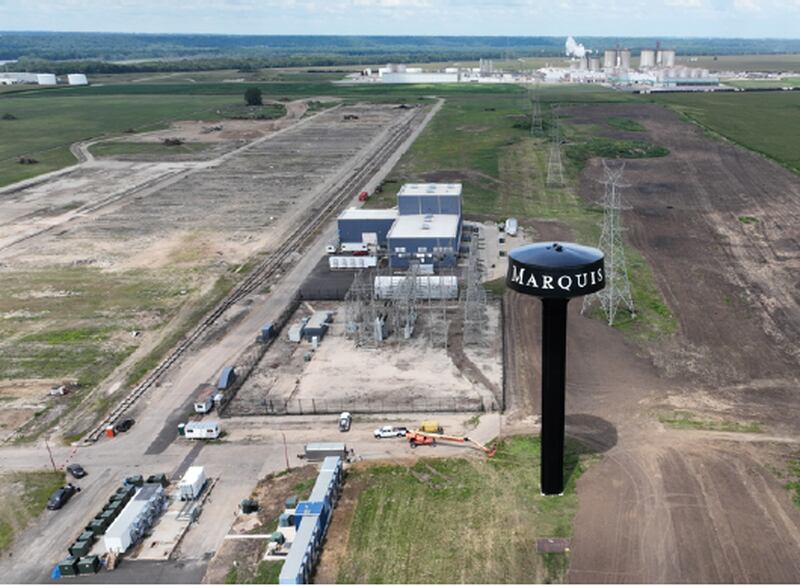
x=612, y=67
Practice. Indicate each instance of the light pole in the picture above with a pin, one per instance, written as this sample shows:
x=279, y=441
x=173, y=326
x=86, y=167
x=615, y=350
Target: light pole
x=554, y=272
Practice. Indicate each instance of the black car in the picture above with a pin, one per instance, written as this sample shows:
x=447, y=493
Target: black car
x=76, y=470
x=124, y=424
x=60, y=497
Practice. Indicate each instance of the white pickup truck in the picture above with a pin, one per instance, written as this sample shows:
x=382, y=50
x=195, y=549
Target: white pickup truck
x=389, y=431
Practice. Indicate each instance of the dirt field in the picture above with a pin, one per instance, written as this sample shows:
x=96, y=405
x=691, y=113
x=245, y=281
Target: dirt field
x=672, y=505
x=110, y=252
x=397, y=377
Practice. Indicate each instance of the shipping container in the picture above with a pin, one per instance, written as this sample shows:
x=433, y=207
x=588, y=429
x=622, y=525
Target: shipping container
x=226, y=378
x=321, y=450
x=191, y=485
x=136, y=518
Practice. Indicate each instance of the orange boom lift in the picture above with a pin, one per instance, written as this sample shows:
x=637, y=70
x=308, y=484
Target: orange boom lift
x=421, y=438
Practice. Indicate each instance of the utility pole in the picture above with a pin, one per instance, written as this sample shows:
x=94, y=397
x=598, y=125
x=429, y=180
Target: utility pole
x=50, y=453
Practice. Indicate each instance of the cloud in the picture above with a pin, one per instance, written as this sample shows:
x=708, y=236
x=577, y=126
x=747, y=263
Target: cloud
x=685, y=3
x=747, y=5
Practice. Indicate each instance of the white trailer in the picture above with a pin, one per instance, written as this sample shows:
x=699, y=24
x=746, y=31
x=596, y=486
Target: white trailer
x=192, y=483
x=204, y=398
x=135, y=519
x=201, y=430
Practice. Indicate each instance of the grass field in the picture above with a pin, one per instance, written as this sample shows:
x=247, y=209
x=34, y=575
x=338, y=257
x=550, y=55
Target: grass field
x=113, y=148
x=765, y=83
x=768, y=123
x=482, y=518
x=49, y=123
x=23, y=496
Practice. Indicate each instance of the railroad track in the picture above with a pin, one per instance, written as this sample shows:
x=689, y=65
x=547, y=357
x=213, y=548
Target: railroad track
x=347, y=188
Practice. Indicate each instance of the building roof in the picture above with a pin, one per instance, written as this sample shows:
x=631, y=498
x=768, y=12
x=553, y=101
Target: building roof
x=425, y=226
x=430, y=189
x=361, y=214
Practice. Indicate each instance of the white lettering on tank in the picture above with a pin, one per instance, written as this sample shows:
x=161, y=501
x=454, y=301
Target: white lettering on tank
x=568, y=285
x=600, y=275
x=585, y=279
x=532, y=281
x=547, y=282
x=518, y=277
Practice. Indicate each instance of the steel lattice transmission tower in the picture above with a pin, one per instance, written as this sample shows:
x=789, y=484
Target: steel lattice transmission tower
x=475, y=318
x=555, y=169
x=618, y=288
x=537, y=124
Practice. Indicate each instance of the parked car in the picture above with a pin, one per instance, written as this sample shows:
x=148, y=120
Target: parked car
x=389, y=431
x=60, y=497
x=124, y=424
x=345, y=421
x=76, y=471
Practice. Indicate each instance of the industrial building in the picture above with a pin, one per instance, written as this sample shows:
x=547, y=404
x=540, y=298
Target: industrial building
x=425, y=227
x=356, y=224
x=311, y=521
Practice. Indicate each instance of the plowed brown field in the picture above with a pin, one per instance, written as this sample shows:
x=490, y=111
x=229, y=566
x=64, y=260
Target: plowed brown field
x=673, y=505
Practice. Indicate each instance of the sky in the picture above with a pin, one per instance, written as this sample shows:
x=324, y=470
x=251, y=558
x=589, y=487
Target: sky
x=628, y=18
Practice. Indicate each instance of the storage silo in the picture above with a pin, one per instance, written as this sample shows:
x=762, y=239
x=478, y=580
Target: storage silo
x=77, y=79
x=594, y=63
x=610, y=59
x=583, y=63
x=647, y=58
x=46, y=79
x=625, y=59
x=668, y=57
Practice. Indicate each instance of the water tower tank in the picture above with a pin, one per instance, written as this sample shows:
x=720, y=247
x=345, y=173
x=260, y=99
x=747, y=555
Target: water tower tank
x=647, y=58
x=625, y=59
x=610, y=59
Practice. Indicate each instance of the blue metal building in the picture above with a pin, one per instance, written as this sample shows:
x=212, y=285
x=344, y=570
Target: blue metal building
x=353, y=224
x=425, y=239
x=312, y=518
x=415, y=199
x=425, y=227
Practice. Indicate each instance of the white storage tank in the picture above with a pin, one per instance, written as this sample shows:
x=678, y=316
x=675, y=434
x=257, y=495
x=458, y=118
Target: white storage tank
x=610, y=58
x=625, y=59
x=46, y=79
x=77, y=79
x=594, y=63
x=647, y=58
